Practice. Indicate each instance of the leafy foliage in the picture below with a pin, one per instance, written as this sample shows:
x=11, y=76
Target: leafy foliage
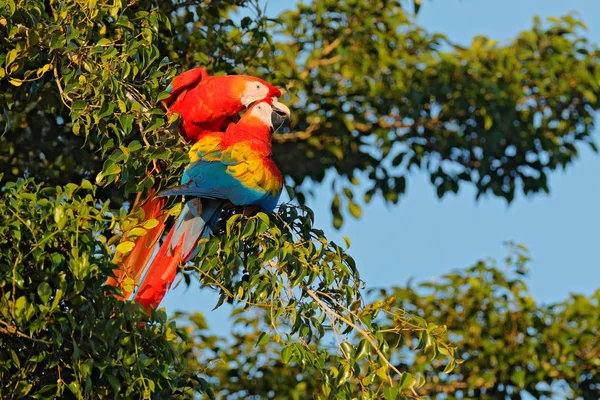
x=498, y=117
x=61, y=336
x=308, y=289
x=60, y=331
x=80, y=89
x=378, y=97
x=511, y=345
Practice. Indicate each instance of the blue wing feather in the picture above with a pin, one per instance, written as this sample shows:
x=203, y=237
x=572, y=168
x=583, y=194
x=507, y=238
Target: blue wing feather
x=211, y=180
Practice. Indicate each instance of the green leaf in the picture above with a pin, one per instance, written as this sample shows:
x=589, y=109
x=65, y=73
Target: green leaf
x=231, y=223
x=15, y=359
x=85, y=184
x=362, y=349
x=263, y=339
x=488, y=122
x=346, y=349
x=60, y=217
x=449, y=366
x=151, y=223
x=390, y=393
x=10, y=4
x=44, y=291
x=11, y=56
x=347, y=241
x=15, y=81
x=78, y=105
x=406, y=381
x=125, y=247
x=134, y=146
x=286, y=354
x=137, y=232
x=249, y=228
x=262, y=223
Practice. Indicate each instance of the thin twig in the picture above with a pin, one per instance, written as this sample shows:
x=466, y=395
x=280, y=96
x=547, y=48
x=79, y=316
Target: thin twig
x=12, y=330
x=364, y=333
x=14, y=288
x=296, y=136
x=331, y=46
x=324, y=61
x=63, y=95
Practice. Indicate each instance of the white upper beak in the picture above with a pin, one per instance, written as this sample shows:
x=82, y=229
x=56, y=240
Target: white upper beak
x=281, y=108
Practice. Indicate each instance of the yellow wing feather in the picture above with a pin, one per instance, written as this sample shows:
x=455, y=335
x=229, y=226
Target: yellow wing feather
x=207, y=148
x=250, y=169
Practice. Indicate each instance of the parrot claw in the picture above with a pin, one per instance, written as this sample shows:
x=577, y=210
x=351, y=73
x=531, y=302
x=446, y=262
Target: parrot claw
x=250, y=210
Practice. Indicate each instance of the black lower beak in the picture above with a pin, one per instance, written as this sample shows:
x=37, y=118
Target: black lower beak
x=277, y=119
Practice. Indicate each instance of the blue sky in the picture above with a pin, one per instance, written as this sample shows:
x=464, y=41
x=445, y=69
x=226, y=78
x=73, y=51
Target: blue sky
x=423, y=237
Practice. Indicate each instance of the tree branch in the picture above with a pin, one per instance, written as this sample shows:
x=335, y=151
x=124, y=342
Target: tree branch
x=358, y=329
x=446, y=388
x=63, y=96
x=12, y=330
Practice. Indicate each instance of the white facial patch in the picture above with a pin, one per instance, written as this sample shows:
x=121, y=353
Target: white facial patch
x=254, y=91
x=263, y=112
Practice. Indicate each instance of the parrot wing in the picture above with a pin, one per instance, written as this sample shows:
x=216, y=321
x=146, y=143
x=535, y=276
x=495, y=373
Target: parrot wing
x=239, y=176
x=183, y=82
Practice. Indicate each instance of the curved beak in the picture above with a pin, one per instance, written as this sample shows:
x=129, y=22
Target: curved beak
x=280, y=113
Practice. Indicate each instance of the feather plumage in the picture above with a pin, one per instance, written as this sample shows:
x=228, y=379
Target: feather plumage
x=206, y=104
x=232, y=167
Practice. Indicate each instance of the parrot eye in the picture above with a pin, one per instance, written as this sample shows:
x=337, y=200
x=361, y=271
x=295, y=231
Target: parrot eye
x=258, y=86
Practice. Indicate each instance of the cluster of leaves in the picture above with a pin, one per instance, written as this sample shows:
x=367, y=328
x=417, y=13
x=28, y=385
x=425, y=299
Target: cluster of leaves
x=61, y=336
x=81, y=83
x=498, y=117
x=60, y=332
x=512, y=347
x=309, y=288
x=377, y=97
x=248, y=366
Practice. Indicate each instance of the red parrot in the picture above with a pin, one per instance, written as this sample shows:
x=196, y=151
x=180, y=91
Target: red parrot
x=225, y=167
x=206, y=104
x=211, y=103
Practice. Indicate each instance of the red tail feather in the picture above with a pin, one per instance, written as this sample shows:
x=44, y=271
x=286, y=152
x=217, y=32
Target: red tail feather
x=131, y=268
x=161, y=274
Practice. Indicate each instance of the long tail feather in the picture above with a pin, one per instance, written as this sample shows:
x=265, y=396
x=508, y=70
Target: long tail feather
x=196, y=220
x=156, y=283
x=131, y=267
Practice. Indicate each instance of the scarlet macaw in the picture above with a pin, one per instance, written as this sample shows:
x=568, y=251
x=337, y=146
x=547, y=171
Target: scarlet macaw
x=233, y=166
x=210, y=103
x=206, y=104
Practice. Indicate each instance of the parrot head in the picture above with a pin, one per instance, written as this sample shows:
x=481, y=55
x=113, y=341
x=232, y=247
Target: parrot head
x=268, y=112
x=255, y=89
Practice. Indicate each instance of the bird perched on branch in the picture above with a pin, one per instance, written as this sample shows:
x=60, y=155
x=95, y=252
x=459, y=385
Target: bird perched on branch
x=225, y=167
x=205, y=104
